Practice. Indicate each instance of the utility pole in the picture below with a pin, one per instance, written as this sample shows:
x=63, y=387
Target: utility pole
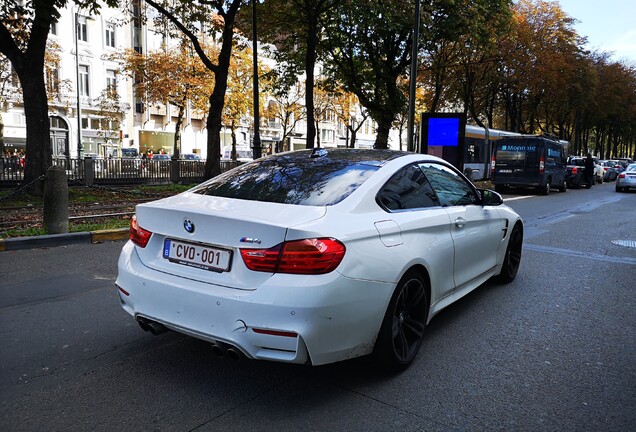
x=256, y=145
x=413, y=78
x=80, y=148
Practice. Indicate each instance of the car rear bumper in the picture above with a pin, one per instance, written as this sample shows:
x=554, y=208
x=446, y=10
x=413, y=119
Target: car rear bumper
x=290, y=318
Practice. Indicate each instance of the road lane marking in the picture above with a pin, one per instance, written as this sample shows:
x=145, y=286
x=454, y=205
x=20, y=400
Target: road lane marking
x=517, y=198
x=580, y=254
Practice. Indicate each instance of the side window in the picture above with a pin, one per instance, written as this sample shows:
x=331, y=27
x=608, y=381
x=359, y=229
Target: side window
x=449, y=186
x=407, y=189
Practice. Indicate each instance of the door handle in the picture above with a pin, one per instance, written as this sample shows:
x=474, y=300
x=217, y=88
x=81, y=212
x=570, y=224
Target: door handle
x=460, y=222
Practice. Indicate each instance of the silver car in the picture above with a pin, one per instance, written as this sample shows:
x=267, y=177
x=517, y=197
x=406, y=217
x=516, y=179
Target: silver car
x=626, y=179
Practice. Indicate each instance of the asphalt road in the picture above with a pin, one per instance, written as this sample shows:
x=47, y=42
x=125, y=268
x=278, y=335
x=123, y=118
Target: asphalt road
x=553, y=351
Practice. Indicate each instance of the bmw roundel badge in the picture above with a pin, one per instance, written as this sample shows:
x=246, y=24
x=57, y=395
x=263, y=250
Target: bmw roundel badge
x=188, y=225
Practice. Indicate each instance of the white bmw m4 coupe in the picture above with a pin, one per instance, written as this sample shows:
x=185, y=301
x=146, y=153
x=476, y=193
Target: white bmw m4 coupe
x=319, y=256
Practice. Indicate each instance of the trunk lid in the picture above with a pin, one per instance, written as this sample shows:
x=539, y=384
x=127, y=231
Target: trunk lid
x=219, y=225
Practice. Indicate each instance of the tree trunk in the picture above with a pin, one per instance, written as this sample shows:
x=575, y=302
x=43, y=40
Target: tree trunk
x=29, y=65
x=214, y=122
x=36, y=110
x=177, y=133
x=384, y=120
x=310, y=63
x=354, y=133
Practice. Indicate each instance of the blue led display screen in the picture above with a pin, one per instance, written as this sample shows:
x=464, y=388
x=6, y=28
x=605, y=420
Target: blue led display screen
x=443, y=132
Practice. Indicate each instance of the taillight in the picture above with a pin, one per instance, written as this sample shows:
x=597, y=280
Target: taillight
x=542, y=165
x=138, y=235
x=574, y=170
x=309, y=256
x=621, y=176
x=492, y=164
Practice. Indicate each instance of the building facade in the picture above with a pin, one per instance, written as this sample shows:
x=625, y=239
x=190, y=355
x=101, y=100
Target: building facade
x=93, y=108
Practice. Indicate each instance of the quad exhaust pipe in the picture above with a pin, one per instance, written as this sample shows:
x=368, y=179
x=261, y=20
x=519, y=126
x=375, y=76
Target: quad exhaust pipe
x=151, y=326
x=221, y=349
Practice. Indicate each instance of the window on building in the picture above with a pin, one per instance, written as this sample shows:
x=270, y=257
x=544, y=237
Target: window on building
x=110, y=35
x=54, y=28
x=82, y=29
x=84, y=88
x=111, y=79
x=139, y=105
x=52, y=81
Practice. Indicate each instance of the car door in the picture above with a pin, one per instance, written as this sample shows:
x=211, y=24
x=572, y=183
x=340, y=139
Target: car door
x=417, y=227
x=476, y=230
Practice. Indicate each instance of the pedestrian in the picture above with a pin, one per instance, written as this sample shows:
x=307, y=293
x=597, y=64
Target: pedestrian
x=589, y=170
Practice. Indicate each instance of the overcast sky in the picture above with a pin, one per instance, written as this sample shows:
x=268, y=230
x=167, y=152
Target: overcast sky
x=610, y=25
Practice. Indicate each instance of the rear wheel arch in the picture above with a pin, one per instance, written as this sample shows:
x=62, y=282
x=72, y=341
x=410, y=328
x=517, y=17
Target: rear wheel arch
x=402, y=329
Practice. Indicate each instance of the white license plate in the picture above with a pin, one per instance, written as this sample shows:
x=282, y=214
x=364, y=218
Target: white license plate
x=505, y=171
x=196, y=255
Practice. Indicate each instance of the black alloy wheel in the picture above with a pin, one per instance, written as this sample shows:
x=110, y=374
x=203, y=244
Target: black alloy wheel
x=512, y=259
x=402, y=330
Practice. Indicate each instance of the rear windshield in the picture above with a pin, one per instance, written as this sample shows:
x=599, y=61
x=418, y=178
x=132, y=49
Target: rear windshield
x=519, y=154
x=296, y=178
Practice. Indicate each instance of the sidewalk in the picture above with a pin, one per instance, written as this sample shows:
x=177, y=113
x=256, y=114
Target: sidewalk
x=54, y=240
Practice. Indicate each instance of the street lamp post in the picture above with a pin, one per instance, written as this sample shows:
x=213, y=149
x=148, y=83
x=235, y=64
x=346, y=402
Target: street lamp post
x=257, y=138
x=79, y=102
x=416, y=37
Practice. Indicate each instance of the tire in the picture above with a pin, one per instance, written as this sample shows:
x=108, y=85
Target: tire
x=545, y=190
x=577, y=184
x=501, y=189
x=512, y=259
x=403, y=326
x=564, y=186
x=619, y=189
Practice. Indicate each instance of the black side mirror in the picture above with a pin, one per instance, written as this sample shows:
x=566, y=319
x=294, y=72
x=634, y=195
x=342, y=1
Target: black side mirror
x=490, y=197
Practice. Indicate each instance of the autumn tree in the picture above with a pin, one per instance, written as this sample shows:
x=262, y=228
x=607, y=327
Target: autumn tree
x=474, y=75
x=455, y=34
x=24, y=29
x=198, y=21
x=369, y=46
x=323, y=106
x=171, y=75
x=296, y=27
x=239, y=99
x=110, y=113
x=615, y=123
x=538, y=57
x=286, y=107
x=349, y=112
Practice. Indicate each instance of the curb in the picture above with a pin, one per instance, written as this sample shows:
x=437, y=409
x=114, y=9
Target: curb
x=54, y=240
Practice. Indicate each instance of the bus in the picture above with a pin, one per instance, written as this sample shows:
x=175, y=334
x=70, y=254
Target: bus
x=478, y=150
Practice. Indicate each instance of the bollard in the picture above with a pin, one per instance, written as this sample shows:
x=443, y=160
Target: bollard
x=56, y=201
x=174, y=170
x=89, y=171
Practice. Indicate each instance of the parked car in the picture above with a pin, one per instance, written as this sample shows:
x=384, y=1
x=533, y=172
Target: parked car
x=191, y=156
x=159, y=162
x=575, y=172
x=627, y=179
x=314, y=257
x=130, y=160
x=598, y=171
x=610, y=171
